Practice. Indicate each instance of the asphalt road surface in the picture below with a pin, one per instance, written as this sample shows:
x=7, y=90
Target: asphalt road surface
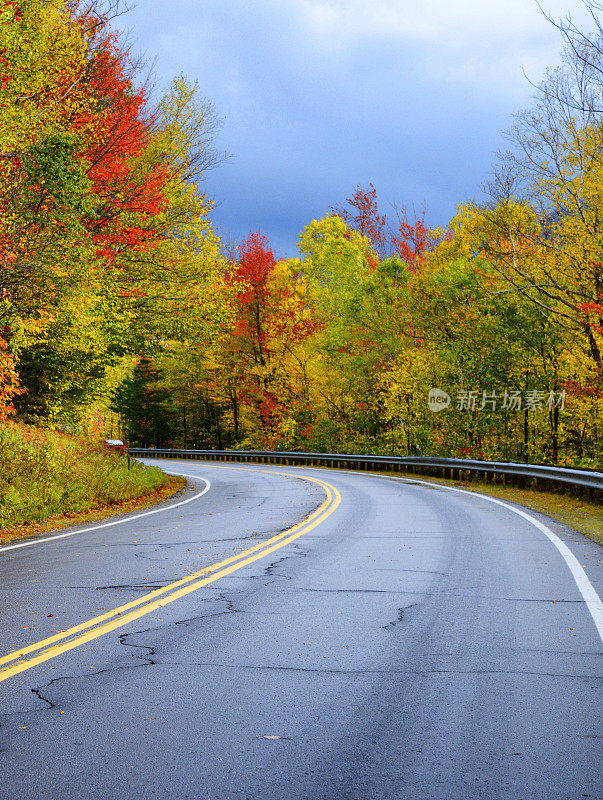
x=406, y=642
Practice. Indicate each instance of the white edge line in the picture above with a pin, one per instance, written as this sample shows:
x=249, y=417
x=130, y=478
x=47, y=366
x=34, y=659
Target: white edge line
x=585, y=587
x=117, y=521
x=587, y=590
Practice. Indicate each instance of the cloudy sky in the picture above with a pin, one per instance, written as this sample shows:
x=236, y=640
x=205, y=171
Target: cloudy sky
x=319, y=96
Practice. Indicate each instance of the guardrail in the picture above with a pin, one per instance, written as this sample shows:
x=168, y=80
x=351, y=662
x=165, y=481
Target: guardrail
x=538, y=475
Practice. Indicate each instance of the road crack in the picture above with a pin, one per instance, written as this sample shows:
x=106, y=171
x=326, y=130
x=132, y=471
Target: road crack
x=401, y=612
x=385, y=671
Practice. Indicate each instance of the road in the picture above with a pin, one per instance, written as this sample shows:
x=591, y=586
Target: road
x=407, y=642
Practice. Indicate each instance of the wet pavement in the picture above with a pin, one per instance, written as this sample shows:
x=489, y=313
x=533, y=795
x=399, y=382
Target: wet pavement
x=416, y=644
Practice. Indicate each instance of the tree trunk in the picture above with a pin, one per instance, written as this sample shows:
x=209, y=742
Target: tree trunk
x=555, y=435
x=235, y=414
x=218, y=431
x=594, y=347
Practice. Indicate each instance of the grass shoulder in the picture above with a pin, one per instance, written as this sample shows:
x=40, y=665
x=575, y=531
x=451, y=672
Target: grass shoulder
x=50, y=481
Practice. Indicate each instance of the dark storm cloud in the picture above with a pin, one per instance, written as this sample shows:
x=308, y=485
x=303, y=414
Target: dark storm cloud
x=317, y=97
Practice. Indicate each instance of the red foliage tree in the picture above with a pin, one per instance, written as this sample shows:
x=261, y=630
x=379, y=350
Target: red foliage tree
x=270, y=321
x=9, y=383
x=411, y=242
x=365, y=218
x=110, y=113
x=101, y=132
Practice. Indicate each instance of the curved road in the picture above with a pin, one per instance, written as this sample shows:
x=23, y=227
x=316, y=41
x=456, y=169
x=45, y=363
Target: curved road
x=407, y=642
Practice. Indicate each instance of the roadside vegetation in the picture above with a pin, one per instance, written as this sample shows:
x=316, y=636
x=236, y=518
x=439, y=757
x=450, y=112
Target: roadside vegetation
x=50, y=476
x=123, y=312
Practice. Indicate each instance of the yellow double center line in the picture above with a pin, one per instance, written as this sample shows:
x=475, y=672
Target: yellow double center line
x=38, y=652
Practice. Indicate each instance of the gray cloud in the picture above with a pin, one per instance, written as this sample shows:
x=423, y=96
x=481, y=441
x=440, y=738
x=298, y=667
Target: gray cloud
x=318, y=96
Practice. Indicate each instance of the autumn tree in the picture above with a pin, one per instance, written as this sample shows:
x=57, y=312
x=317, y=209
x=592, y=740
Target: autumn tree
x=270, y=321
x=543, y=228
x=409, y=241
x=100, y=221
x=363, y=216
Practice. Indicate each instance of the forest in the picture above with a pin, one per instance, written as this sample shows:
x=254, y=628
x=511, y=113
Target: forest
x=124, y=313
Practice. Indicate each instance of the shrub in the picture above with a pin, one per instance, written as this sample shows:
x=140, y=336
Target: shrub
x=44, y=472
